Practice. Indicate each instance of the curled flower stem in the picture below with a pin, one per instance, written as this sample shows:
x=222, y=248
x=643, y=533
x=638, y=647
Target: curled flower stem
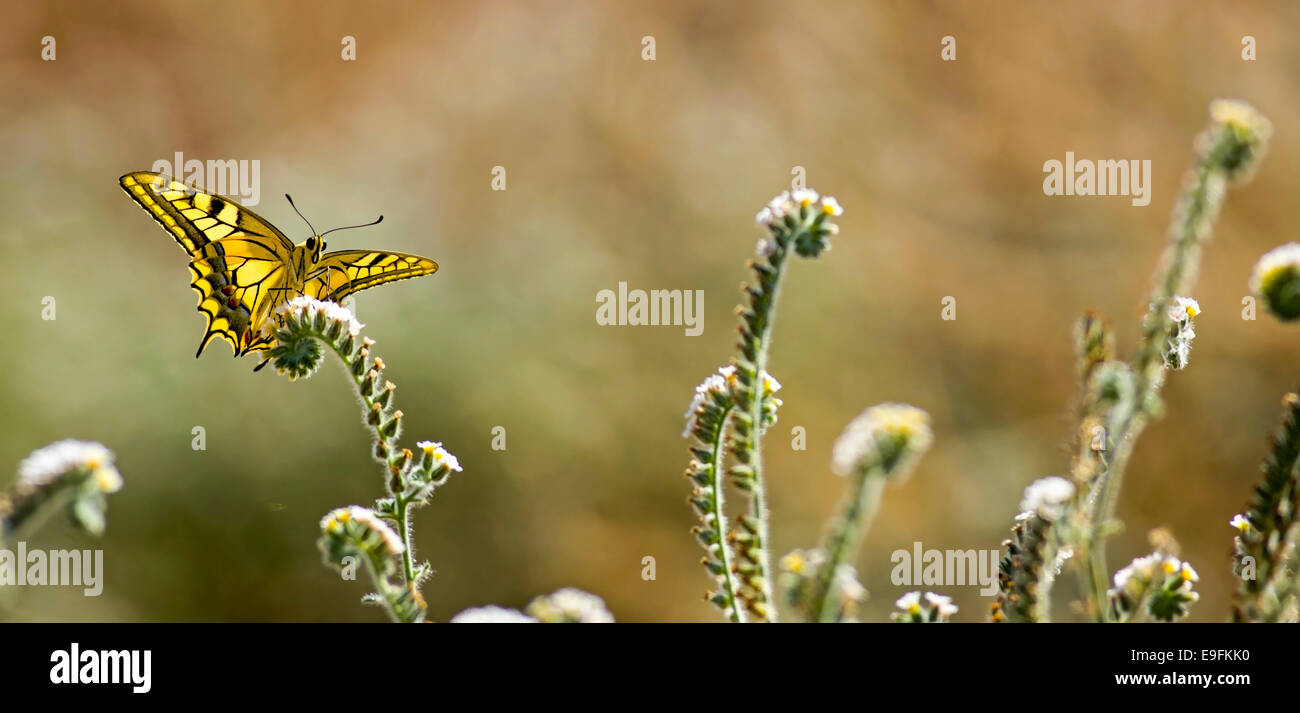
x=797, y=222
x=707, y=419
x=305, y=323
x=352, y=533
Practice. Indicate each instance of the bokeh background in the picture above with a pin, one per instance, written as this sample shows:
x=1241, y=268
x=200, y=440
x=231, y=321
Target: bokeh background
x=620, y=169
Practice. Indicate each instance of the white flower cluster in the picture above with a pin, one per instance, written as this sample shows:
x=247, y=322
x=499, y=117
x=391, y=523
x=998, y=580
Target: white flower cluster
x=334, y=522
x=46, y=465
x=885, y=427
x=789, y=202
x=439, y=456
x=911, y=605
x=714, y=384
x=720, y=383
x=304, y=309
x=1143, y=570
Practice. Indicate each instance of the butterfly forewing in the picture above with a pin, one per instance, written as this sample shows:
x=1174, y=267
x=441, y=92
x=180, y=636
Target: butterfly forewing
x=195, y=218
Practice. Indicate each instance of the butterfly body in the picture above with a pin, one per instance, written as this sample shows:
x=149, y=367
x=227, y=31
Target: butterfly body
x=244, y=269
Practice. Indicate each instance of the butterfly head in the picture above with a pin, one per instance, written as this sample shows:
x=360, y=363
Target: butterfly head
x=315, y=246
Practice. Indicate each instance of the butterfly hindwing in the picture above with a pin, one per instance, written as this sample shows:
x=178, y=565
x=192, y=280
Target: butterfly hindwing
x=341, y=273
x=195, y=218
x=240, y=282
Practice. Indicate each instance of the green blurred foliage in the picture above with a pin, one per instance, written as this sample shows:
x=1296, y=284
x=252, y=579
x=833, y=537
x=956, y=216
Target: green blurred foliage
x=621, y=170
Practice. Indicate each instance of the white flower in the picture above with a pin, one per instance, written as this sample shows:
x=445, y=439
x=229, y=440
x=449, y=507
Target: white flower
x=765, y=218
x=763, y=248
x=1241, y=523
x=770, y=384
x=831, y=207
x=492, y=614
x=1182, y=309
x=439, y=455
x=48, y=464
x=1047, y=497
x=910, y=602
x=780, y=205
x=889, y=429
x=804, y=197
x=943, y=604
x=571, y=605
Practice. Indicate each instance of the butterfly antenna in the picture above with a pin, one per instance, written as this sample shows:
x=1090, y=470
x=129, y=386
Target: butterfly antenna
x=300, y=215
x=376, y=221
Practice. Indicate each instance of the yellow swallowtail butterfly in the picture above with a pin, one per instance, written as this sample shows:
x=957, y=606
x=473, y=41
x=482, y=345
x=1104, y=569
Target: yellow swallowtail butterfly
x=244, y=268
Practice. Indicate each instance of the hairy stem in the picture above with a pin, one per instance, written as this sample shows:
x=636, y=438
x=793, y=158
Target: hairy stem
x=758, y=500
x=1194, y=216
x=845, y=537
x=725, y=554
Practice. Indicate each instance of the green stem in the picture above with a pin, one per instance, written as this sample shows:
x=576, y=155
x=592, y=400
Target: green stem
x=844, y=539
x=1198, y=206
x=758, y=499
x=725, y=555
x=386, y=591
x=401, y=503
x=403, y=523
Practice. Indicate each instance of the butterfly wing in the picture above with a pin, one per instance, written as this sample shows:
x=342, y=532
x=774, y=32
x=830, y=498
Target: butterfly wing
x=195, y=218
x=240, y=282
x=341, y=273
x=240, y=262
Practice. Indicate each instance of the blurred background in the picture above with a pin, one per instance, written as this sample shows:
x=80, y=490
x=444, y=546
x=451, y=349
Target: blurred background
x=620, y=169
